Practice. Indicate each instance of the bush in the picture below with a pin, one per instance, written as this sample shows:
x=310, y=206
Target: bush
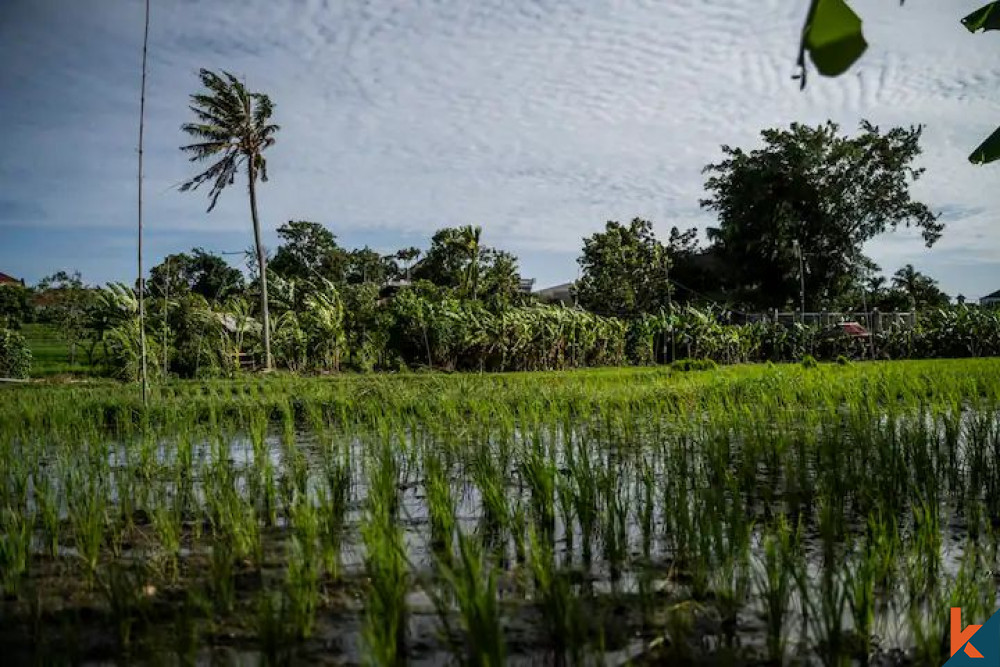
x=843, y=361
x=15, y=357
x=15, y=307
x=684, y=365
x=809, y=361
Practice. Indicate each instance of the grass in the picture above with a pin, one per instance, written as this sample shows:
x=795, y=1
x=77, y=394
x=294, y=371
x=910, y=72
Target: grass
x=475, y=518
x=50, y=355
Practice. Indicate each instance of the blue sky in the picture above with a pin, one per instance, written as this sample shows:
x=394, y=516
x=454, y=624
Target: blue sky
x=538, y=120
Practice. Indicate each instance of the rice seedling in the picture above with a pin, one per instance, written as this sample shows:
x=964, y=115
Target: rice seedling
x=15, y=545
x=563, y=615
x=385, y=626
x=125, y=588
x=472, y=584
x=774, y=582
x=830, y=501
x=302, y=579
x=86, y=499
x=47, y=504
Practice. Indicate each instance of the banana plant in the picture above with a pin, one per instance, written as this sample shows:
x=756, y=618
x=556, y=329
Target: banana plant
x=834, y=39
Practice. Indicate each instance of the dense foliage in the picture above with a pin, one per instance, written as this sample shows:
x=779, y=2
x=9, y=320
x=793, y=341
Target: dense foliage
x=15, y=305
x=15, y=357
x=548, y=518
x=812, y=191
x=624, y=271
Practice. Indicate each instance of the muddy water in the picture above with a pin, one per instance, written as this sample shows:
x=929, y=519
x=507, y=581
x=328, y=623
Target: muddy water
x=635, y=597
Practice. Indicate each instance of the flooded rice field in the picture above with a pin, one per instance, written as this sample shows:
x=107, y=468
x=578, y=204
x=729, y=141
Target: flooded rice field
x=748, y=516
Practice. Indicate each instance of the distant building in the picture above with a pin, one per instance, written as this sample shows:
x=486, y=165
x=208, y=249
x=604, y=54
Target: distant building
x=557, y=294
x=10, y=280
x=526, y=285
x=990, y=299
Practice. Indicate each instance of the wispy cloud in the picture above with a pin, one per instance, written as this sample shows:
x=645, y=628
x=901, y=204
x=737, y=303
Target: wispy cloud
x=537, y=119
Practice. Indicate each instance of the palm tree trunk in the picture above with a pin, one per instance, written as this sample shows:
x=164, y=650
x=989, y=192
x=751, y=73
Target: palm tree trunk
x=261, y=265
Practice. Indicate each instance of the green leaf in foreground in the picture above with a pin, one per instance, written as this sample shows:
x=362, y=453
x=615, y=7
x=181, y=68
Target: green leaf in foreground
x=834, y=37
x=986, y=17
x=988, y=151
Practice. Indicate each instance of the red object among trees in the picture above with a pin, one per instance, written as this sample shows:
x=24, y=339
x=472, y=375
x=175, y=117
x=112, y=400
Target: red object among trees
x=853, y=329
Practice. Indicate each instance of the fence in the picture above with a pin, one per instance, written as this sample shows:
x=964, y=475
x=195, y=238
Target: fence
x=873, y=320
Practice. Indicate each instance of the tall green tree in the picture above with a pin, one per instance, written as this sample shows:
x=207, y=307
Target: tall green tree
x=813, y=190
x=407, y=256
x=232, y=130
x=444, y=262
x=199, y=272
x=469, y=240
x=368, y=266
x=458, y=260
x=309, y=251
x=624, y=271
x=15, y=305
x=916, y=290
x=65, y=301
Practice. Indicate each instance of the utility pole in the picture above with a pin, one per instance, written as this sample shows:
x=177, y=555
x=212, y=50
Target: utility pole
x=802, y=280
x=670, y=313
x=166, y=299
x=142, y=281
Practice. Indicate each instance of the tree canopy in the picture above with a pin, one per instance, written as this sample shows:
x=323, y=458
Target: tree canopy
x=813, y=190
x=198, y=272
x=458, y=260
x=624, y=271
x=309, y=251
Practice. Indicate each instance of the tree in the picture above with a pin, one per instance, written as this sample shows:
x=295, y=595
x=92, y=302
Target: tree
x=198, y=272
x=15, y=305
x=458, y=260
x=813, y=191
x=65, y=301
x=233, y=128
x=920, y=291
x=443, y=263
x=696, y=274
x=469, y=241
x=368, y=266
x=624, y=271
x=309, y=251
x=407, y=256
x=499, y=285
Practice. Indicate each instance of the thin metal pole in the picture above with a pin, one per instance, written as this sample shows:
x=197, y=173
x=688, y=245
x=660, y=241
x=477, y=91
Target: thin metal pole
x=142, y=282
x=802, y=281
x=166, y=299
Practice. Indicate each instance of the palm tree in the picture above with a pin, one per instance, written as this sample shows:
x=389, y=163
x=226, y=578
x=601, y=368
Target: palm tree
x=234, y=129
x=469, y=242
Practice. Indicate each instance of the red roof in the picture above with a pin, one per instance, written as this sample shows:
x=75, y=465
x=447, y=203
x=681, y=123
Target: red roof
x=4, y=278
x=853, y=329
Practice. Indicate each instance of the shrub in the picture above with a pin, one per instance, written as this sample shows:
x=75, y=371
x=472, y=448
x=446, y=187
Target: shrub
x=843, y=361
x=684, y=365
x=15, y=307
x=15, y=357
x=809, y=361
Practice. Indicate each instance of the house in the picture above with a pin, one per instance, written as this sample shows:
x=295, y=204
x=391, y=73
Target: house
x=10, y=280
x=557, y=294
x=990, y=299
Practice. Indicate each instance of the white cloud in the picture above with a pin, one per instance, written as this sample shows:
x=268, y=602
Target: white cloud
x=537, y=119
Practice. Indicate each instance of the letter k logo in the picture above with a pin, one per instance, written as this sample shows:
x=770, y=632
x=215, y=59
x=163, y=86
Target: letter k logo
x=960, y=637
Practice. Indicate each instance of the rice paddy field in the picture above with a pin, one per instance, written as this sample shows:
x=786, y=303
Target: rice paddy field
x=749, y=515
